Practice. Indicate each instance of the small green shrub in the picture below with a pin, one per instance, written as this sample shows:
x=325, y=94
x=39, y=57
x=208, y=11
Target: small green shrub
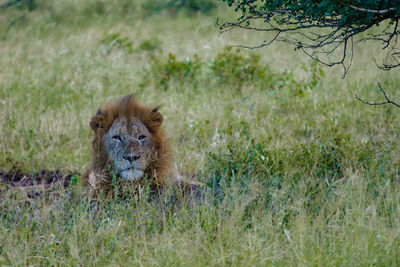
x=203, y=6
x=315, y=168
x=150, y=45
x=173, y=6
x=93, y=8
x=116, y=41
x=174, y=70
x=232, y=67
x=316, y=73
x=238, y=162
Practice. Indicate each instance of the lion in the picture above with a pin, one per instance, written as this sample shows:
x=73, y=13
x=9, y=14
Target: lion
x=129, y=144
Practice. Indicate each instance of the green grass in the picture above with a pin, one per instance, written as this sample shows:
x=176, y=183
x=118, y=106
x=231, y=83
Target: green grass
x=307, y=175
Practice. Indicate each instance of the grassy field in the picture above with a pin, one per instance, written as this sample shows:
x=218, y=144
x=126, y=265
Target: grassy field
x=307, y=174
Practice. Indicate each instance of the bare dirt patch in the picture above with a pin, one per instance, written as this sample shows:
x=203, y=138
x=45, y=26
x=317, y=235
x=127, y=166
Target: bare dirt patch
x=44, y=178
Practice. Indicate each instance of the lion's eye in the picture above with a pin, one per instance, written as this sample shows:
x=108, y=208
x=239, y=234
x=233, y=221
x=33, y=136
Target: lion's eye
x=141, y=137
x=117, y=137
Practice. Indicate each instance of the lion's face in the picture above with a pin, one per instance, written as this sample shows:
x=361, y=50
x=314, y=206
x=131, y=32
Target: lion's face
x=129, y=147
x=129, y=139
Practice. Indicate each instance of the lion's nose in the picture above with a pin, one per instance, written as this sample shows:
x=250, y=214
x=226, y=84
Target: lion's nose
x=131, y=158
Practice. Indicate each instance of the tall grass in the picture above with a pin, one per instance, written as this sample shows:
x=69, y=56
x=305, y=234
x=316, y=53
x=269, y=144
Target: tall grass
x=304, y=174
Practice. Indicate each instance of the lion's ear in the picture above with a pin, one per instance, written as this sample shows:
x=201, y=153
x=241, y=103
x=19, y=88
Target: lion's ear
x=97, y=120
x=155, y=117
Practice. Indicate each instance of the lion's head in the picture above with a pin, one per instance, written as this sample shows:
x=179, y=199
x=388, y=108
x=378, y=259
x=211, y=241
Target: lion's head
x=129, y=143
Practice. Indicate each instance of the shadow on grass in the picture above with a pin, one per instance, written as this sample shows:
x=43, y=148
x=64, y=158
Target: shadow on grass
x=45, y=178
x=54, y=183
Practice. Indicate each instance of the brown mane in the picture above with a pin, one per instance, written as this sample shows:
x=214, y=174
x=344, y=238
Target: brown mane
x=123, y=108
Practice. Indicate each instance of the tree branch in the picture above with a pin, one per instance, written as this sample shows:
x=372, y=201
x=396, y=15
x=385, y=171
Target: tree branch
x=388, y=101
x=372, y=10
x=307, y=28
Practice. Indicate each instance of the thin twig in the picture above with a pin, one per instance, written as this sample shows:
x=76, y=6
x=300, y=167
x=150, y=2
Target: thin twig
x=383, y=11
x=261, y=45
x=388, y=101
x=380, y=11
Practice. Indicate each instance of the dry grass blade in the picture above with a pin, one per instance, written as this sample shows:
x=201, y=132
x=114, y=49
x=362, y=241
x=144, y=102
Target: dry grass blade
x=93, y=180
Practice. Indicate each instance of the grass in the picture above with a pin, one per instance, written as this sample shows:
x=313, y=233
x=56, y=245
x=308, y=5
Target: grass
x=307, y=175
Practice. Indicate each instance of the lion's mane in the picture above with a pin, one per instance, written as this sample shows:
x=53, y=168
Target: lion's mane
x=125, y=108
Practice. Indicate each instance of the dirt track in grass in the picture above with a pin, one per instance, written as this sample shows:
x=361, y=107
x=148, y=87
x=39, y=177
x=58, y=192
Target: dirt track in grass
x=46, y=178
